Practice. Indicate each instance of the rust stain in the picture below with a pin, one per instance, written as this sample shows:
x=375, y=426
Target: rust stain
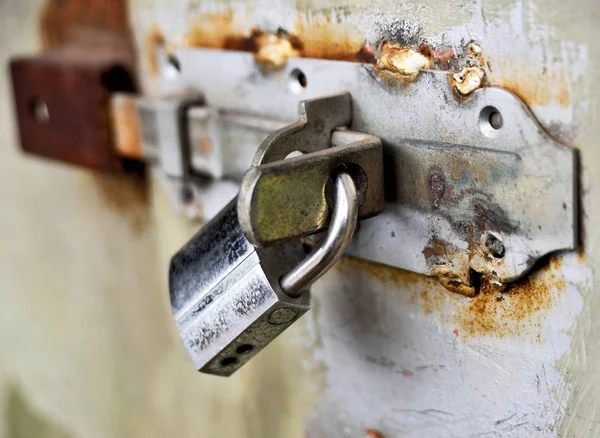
x=581, y=255
x=218, y=31
x=474, y=50
x=126, y=194
x=61, y=19
x=328, y=35
x=399, y=279
x=518, y=311
x=154, y=39
x=534, y=84
x=452, y=281
x=317, y=37
x=373, y=433
x=436, y=248
x=325, y=37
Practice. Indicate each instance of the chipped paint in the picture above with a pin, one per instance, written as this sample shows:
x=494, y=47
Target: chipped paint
x=354, y=34
x=474, y=50
x=452, y=281
x=467, y=80
x=401, y=61
x=274, y=50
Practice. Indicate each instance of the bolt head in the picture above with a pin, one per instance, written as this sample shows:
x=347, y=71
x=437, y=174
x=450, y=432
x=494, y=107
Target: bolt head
x=494, y=246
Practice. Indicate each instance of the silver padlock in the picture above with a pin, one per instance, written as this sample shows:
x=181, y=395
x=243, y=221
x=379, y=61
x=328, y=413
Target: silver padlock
x=231, y=299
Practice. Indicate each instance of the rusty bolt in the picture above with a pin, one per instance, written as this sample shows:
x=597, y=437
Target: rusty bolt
x=494, y=246
x=402, y=62
x=474, y=50
x=467, y=80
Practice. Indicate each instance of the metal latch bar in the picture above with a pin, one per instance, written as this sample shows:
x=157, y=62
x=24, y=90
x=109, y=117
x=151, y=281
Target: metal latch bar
x=463, y=194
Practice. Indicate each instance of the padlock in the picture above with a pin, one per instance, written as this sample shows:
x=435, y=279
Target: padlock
x=231, y=299
x=232, y=292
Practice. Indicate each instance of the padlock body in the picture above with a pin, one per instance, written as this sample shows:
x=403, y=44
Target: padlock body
x=226, y=297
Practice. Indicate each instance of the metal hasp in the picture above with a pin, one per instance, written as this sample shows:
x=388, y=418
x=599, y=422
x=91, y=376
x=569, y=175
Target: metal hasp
x=282, y=199
x=473, y=184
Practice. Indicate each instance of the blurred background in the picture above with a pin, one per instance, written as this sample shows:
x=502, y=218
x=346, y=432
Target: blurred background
x=88, y=345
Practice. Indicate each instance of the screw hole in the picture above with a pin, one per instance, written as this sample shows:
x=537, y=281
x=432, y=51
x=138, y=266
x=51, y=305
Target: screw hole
x=298, y=81
x=174, y=62
x=244, y=348
x=228, y=361
x=494, y=246
x=39, y=111
x=173, y=67
x=490, y=121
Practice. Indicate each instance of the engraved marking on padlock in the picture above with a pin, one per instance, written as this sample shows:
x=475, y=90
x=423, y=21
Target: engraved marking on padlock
x=282, y=316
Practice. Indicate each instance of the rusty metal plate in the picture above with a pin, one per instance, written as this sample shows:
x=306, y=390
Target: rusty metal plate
x=62, y=104
x=473, y=184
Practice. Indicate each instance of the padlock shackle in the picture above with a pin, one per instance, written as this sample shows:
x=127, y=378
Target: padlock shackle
x=328, y=252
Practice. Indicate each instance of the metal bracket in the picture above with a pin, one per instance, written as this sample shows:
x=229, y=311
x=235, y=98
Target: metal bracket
x=472, y=185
